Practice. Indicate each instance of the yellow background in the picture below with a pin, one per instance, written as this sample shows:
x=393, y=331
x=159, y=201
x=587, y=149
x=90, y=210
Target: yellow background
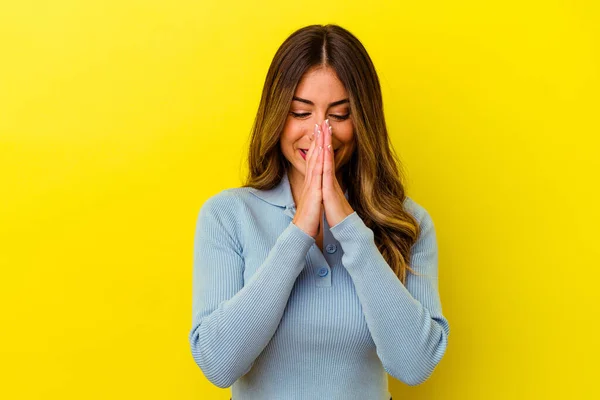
x=119, y=118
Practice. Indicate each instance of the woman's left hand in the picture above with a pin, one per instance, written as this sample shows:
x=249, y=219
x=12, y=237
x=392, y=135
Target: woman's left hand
x=334, y=201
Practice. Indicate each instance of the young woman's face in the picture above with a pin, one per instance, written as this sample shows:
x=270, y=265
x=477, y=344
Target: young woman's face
x=319, y=96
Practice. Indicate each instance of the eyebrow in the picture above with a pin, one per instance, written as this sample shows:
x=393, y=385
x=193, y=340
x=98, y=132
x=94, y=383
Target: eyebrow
x=335, y=103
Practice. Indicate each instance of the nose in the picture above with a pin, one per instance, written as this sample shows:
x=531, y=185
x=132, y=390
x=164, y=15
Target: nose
x=319, y=119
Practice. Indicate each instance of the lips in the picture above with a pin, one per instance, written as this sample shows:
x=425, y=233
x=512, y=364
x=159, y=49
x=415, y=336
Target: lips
x=304, y=152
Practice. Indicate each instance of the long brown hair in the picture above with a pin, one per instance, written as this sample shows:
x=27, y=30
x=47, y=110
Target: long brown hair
x=374, y=173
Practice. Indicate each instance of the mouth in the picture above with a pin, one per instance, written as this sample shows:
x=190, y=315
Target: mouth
x=304, y=152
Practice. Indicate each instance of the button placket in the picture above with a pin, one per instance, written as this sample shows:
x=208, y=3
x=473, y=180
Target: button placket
x=322, y=276
x=324, y=267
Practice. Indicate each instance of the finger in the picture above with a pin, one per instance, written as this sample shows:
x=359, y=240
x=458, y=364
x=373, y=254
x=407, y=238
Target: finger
x=315, y=154
x=331, y=149
x=318, y=171
x=318, y=148
x=321, y=142
x=322, y=135
x=309, y=156
x=328, y=158
x=312, y=143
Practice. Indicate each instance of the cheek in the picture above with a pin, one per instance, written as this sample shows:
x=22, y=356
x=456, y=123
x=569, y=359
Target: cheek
x=292, y=132
x=344, y=134
x=293, y=123
x=289, y=127
x=288, y=133
x=289, y=137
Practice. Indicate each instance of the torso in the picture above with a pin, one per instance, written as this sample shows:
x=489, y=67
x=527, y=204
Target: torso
x=319, y=239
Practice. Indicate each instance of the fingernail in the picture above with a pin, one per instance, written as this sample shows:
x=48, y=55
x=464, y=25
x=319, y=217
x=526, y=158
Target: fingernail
x=328, y=126
x=329, y=148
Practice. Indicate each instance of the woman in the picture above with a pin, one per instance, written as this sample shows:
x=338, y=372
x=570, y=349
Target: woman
x=318, y=277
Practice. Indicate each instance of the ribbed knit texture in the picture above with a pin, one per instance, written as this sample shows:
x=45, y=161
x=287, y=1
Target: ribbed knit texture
x=275, y=318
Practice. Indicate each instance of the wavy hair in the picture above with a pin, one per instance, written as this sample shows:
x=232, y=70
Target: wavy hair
x=374, y=173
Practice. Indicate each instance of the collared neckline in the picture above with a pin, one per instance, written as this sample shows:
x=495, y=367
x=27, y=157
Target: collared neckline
x=280, y=195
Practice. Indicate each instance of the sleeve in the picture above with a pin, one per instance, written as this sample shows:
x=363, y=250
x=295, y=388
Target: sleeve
x=232, y=322
x=406, y=323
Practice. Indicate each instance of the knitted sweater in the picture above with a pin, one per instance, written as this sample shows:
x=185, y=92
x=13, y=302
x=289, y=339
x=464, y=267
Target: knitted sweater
x=275, y=318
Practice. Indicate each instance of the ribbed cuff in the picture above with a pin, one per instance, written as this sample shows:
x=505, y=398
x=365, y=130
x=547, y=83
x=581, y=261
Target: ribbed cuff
x=357, y=241
x=350, y=229
x=293, y=244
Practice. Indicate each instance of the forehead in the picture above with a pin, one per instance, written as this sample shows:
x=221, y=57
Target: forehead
x=321, y=85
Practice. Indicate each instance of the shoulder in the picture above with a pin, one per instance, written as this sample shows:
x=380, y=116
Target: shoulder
x=425, y=222
x=416, y=209
x=427, y=240
x=228, y=204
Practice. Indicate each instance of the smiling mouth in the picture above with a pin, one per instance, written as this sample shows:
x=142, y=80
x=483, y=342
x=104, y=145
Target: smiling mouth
x=305, y=152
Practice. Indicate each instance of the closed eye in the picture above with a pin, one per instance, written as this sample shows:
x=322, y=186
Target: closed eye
x=334, y=116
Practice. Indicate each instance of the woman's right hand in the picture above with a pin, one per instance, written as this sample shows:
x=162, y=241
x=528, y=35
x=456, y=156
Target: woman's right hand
x=309, y=207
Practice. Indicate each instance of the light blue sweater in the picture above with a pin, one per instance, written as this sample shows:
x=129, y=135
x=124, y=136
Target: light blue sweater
x=275, y=318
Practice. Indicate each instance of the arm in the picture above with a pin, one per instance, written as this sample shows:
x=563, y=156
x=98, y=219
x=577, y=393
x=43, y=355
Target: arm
x=406, y=323
x=232, y=322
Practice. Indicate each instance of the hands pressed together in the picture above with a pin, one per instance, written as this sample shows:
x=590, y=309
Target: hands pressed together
x=321, y=186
